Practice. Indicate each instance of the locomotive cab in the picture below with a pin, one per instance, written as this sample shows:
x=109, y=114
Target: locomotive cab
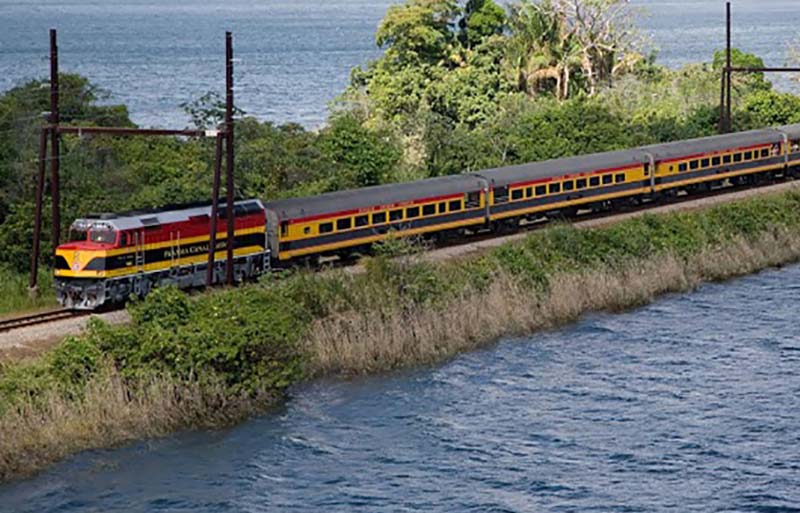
x=80, y=264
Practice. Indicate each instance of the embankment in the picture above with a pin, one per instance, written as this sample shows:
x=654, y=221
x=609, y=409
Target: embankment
x=212, y=361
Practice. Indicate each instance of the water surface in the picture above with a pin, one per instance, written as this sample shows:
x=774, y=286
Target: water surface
x=296, y=56
x=689, y=404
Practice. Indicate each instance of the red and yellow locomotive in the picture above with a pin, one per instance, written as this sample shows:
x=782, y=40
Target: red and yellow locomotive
x=112, y=256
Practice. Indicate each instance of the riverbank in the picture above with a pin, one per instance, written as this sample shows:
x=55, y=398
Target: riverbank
x=186, y=364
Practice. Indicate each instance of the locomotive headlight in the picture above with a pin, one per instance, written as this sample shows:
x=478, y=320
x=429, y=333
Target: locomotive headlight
x=76, y=261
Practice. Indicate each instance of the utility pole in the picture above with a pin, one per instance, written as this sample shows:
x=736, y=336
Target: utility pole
x=229, y=154
x=55, y=118
x=728, y=121
x=212, y=238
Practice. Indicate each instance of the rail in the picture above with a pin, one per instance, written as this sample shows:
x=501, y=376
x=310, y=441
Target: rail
x=39, y=318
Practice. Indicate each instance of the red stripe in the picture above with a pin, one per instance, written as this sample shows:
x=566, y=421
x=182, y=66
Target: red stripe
x=714, y=154
x=574, y=175
x=376, y=208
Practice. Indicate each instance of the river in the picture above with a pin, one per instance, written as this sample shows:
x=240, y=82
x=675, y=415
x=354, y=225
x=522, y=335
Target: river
x=688, y=404
x=295, y=56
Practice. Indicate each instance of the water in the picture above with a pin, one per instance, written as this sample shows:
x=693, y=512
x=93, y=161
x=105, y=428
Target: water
x=296, y=55
x=689, y=404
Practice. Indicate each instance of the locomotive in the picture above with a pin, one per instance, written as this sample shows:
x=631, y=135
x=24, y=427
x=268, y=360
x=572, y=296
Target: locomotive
x=115, y=256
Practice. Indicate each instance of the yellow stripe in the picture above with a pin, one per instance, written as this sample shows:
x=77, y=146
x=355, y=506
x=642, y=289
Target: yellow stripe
x=374, y=238
x=690, y=181
x=571, y=203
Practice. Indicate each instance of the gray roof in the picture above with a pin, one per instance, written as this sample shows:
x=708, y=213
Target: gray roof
x=793, y=131
x=352, y=199
x=713, y=143
x=141, y=219
x=568, y=165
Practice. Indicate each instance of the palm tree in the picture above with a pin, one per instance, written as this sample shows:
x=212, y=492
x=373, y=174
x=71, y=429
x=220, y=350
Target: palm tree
x=542, y=50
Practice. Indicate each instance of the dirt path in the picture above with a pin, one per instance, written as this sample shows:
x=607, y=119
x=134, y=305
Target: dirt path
x=30, y=341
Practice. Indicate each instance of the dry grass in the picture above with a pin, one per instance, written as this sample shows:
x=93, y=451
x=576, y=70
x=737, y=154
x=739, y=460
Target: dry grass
x=111, y=412
x=373, y=341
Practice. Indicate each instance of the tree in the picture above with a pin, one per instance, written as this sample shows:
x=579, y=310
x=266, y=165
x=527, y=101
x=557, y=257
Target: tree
x=417, y=32
x=360, y=156
x=740, y=59
x=606, y=34
x=481, y=19
x=208, y=111
x=531, y=49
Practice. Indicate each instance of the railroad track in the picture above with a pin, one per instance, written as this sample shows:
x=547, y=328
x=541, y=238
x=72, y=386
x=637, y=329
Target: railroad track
x=14, y=323
x=39, y=318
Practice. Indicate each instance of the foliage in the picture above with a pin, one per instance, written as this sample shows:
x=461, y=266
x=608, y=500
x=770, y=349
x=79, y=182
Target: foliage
x=208, y=111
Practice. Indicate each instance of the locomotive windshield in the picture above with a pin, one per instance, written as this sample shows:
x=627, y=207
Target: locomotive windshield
x=77, y=235
x=103, y=236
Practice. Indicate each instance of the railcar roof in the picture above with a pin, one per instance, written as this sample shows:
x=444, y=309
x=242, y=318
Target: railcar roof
x=144, y=218
x=350, y=199
x=713, y=143
x=568, y=165
x=793, y=131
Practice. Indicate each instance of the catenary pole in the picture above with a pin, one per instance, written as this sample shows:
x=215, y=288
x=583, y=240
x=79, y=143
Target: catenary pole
x=728, y=73
x=37, y=220
x=212, y=241
x=55, y=118
x=229, y=155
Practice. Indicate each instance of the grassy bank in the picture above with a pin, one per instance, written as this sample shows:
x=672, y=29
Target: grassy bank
x=211, y=361
x=14, y=297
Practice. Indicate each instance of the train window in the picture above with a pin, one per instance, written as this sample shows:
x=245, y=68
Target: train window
x=379, y=218
x=395, y=215
x=726, y=159
x=284, y=228
x=516, y=194
x=764, y=153
x=362, y=220
x=123, y=240
x=344, y=224
x=455, y=205
x=715, y=161
x=607, y=179
x=682, y=167
x=541, y=190
x=619, y=178
x=554, y=188
x=473, y=199
x=412, y=212
x=529, y=192
x=748, y=155
x=500, y=194
x=704, y=163
x=694, y=164
x=580, y=184
x=307, y=230
x=569, y=185
x=428, y=210
x=594, y=181
x=737, y=157
x=325, y=227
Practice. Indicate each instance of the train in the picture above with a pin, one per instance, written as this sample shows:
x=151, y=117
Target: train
x=111, y=257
